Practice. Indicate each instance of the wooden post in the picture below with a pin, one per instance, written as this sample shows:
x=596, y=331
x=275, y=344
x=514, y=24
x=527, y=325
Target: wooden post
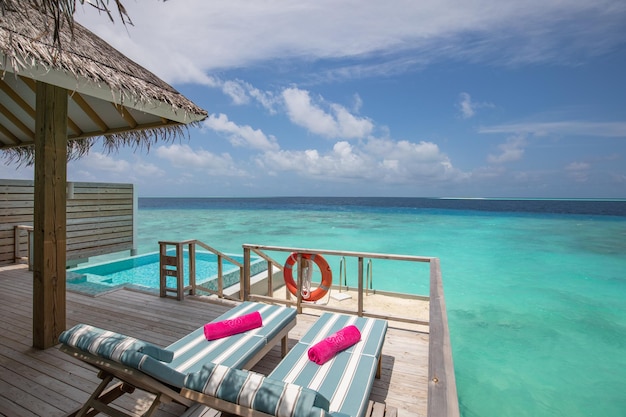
x=360, y=288
x=49, y=220
x=244, y=292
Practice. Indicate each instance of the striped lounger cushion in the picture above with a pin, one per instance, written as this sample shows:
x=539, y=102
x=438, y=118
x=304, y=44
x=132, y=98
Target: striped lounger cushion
x=189, y=354
x=347, y=379
x=298, y=387
x=254, y=391
x=114, y=346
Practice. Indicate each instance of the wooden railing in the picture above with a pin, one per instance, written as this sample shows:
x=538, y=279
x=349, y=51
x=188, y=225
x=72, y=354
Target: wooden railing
x=299, y=303
x=173, y=266
x=22, y=255
x=442, y=393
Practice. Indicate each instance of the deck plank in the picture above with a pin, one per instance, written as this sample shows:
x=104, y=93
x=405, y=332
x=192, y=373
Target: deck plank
x=48, y=382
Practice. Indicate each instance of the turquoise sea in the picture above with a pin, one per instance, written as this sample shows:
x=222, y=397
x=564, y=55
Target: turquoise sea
x=535, y=289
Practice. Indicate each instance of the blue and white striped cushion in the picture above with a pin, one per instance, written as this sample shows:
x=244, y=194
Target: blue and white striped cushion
x=189, y=353
x=114, y=346
x=252, y=390
x=193, y=350
x=347, y=379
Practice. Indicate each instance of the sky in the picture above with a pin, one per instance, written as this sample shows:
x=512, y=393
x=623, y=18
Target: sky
x=430, y=98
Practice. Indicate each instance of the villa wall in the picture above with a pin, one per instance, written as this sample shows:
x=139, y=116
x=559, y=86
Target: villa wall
x=100, y=218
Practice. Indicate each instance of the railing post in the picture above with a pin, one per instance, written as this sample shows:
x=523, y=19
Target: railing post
x=360, y=284
x=192, y=268
x=299, y=285
x=30, y=249
x=270, y=279
x=244, y=294
x=162, y=269
x=180, y=272
x=16, y=244
x=369, y=277
x=220, y=280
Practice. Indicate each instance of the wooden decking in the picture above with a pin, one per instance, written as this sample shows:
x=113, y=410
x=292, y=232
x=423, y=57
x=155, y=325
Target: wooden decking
x=50, y=383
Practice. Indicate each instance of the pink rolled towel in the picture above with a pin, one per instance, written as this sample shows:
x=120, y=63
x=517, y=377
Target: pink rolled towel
x=232, y=326
x=323, y=351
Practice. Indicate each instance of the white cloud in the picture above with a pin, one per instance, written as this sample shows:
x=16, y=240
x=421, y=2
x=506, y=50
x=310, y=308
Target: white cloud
x=379, y=161
x=565, y=127
x=338, y=122
x=468, y=107
x=104, y=167
x=511, y=150
x=465, y=104
x=242, y=92
x=579, y=171
x=15, y=171
x=240, y=135
x=97, y=161
x=185, y=43
x=183, y=156
x=236, y=91
x=147, y=170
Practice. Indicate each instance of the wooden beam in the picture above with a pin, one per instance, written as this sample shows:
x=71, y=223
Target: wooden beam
x=30, y=83
x=89, y=111
x=17, y=122
x=50, y=215
x=126, y=115
x=17, y=99
x=10, y=136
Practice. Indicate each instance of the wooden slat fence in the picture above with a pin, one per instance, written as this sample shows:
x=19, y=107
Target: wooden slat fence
x=100, y=218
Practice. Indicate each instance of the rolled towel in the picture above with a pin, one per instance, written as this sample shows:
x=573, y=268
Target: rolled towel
x=240, y=324
x=323, y=351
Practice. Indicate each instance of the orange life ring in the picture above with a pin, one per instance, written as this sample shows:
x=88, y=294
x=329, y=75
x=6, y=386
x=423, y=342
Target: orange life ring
x=327, y=275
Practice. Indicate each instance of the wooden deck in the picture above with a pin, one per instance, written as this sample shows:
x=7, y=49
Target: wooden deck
x=50, y=383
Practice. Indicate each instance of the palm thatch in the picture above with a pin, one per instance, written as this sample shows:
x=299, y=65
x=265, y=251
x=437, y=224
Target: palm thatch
x=94, y=69
x=62, y=11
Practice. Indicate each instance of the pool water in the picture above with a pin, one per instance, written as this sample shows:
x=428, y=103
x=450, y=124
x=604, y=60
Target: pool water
x=142, y=272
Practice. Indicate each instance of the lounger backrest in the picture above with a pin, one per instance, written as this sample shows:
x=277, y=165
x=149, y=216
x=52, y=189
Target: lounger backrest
x=114, y=346
x=254, y=391
x=129, y=351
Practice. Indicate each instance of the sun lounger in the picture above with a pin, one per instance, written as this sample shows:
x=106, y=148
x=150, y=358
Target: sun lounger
x=298, y=387
x=162, y=371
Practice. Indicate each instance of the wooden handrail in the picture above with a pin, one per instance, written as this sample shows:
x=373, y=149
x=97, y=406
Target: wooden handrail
x=373, y=255
x=442, y=393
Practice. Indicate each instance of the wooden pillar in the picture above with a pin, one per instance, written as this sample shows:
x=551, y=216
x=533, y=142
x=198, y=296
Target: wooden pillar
x=50, y=215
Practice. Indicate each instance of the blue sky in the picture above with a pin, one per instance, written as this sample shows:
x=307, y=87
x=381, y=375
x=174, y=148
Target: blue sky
x=446, y=98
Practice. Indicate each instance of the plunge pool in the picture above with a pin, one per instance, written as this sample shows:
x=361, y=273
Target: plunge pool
x=141, y=272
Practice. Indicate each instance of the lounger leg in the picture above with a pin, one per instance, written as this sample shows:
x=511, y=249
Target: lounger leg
x=98, y=401
x=87, y=406
x=153, y=406
x=379, y=368
x=283, y=347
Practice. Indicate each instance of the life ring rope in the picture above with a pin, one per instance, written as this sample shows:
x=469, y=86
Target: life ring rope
x=327, y=276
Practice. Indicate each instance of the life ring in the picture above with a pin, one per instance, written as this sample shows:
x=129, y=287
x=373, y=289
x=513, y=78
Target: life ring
x=327, y=276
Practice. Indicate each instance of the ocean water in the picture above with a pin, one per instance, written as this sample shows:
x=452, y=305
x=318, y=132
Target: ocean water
x=535, y=289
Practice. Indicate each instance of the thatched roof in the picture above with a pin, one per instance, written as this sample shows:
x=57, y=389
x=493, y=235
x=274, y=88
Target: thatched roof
x=110, y=95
